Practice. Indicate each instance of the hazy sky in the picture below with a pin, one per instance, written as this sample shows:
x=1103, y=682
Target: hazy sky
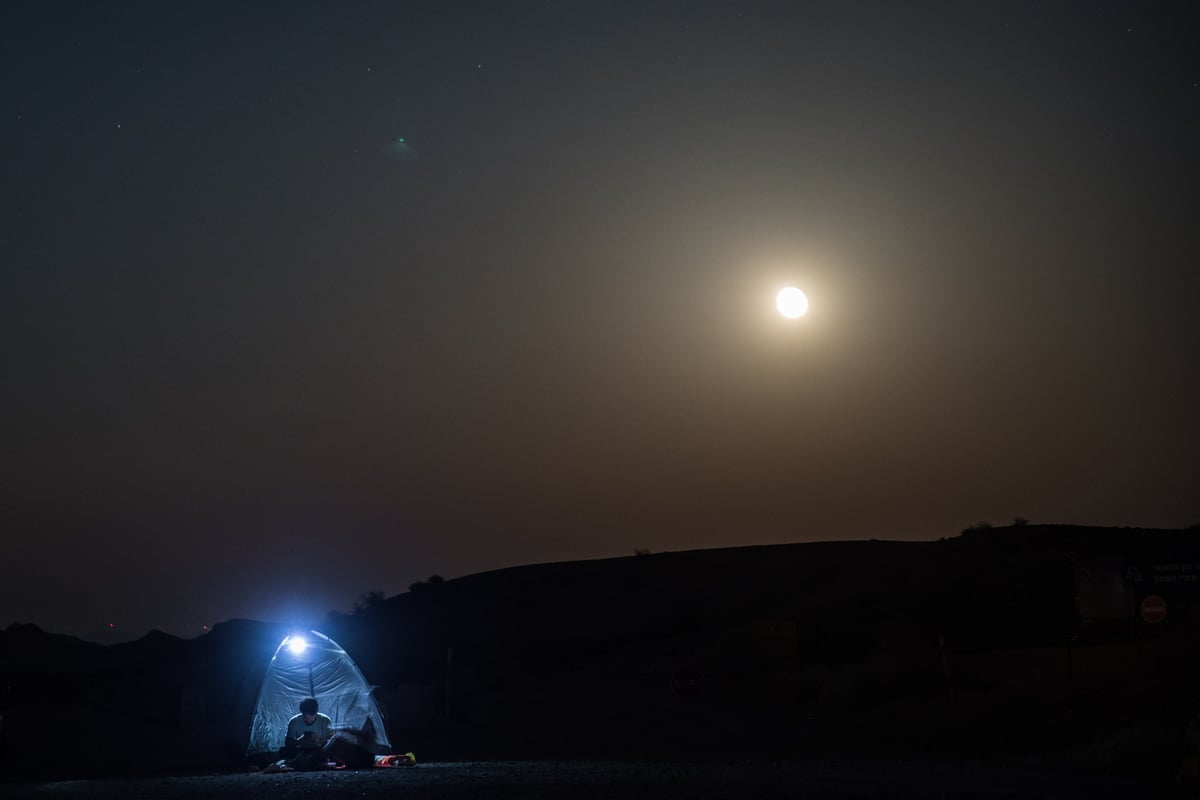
x=301, y=300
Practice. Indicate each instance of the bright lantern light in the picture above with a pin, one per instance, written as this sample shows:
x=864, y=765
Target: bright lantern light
x=791, y=302
x=297, y=645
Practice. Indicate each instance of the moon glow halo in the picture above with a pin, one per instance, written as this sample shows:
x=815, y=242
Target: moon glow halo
x=791, y=302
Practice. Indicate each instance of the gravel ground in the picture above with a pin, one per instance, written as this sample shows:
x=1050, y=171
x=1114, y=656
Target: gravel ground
x=533, y=780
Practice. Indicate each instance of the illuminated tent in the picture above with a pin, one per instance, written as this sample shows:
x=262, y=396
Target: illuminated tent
x=312, y=665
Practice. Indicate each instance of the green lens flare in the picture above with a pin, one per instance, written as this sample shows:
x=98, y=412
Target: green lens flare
x=399, y=150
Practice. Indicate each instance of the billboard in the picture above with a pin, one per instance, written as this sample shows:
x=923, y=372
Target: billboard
x=1147, y=591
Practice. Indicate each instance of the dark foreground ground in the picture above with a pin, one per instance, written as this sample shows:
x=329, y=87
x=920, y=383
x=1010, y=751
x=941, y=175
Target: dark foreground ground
x=532, y=780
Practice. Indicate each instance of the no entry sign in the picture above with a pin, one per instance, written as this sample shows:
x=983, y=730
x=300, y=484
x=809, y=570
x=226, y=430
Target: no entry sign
x=1154, y=609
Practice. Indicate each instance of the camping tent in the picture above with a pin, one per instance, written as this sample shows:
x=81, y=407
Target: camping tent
x=312, y=665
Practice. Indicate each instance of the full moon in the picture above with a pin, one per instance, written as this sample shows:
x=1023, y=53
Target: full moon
x=791, y=302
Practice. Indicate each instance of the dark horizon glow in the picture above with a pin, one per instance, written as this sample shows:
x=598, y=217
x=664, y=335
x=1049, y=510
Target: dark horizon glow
x=300, y=303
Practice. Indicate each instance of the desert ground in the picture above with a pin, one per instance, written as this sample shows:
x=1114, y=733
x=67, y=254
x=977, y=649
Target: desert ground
x=581, y=780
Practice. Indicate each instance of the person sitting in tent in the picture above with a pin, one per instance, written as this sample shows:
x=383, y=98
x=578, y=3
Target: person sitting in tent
x=307, y=733
x=313, y=742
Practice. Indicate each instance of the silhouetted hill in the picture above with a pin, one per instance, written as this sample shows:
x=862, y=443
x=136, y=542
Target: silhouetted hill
x=25, y=647
x=800, y=648
x=965, y=647
x=154, y=646
x=1003, y=586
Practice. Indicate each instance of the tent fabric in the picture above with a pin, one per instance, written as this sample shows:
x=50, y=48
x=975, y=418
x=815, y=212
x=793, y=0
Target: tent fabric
x=322, y=670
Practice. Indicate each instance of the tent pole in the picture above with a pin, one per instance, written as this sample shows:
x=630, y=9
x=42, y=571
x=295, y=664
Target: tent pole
x=311, y=691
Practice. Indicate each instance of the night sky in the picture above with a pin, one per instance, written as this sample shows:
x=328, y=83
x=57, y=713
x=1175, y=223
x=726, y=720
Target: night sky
x=304, y=300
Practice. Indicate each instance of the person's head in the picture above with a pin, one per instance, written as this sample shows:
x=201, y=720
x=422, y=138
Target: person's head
x=308, y=707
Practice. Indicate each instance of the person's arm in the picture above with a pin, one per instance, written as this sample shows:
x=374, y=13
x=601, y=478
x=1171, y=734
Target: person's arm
x=295, y=737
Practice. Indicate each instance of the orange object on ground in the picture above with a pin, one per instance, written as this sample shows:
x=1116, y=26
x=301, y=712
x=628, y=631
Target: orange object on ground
x=404, y=760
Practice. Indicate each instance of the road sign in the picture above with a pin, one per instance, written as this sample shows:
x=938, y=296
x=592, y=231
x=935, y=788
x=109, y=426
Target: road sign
x=1154, y=609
